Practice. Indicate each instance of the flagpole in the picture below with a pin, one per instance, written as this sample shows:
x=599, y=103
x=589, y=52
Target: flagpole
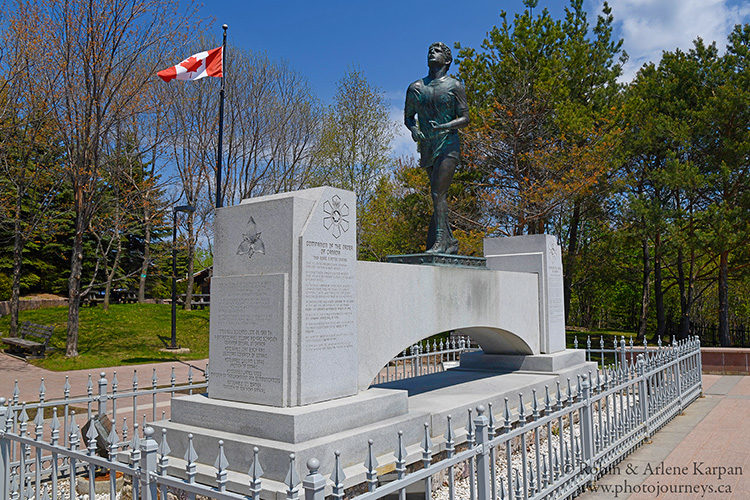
x=221, y=117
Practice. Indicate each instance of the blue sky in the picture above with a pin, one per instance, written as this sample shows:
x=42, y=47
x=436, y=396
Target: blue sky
x=388, y=39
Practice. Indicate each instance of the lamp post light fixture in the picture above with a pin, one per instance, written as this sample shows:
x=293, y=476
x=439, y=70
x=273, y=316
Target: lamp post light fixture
x=186, y=209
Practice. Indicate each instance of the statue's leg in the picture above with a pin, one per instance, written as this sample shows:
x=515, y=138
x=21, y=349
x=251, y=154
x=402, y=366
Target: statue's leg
x=440, y=181
x=432, y=230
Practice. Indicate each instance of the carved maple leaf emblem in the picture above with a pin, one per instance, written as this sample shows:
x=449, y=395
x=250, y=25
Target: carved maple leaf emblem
x=192, y=64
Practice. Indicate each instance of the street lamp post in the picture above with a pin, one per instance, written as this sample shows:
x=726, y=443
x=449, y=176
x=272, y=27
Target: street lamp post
x=187, y=209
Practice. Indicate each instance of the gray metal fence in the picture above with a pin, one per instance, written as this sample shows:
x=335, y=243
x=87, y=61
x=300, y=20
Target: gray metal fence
x=551, y=448
x=425, y=358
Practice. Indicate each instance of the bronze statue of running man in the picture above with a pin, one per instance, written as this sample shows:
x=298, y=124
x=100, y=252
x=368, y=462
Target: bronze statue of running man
x=435, y=109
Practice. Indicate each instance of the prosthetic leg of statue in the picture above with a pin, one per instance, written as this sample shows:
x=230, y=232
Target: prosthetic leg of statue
x=440, y=181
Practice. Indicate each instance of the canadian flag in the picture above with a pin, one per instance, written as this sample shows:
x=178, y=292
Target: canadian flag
x=195, y=67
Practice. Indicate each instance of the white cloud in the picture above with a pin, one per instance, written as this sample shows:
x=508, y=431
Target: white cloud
x=650, y=27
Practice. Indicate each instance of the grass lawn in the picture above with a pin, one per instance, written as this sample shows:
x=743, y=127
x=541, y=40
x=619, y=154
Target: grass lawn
x=127, y=334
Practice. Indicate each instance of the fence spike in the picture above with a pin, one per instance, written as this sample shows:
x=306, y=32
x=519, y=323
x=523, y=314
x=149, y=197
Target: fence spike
x=337, y=476
x=91, y=436
x=575, y=342
x=521, y=410
x=135, y=443
x=534, y=405
x=255, y=473
x=190, y=457
x=506, y=415
x=491, y=424
x=16, y=392
x=39, y=423
x=560, y=403
x=400, y=453
x=556, y=460
x=570, y=392
x=449, y=441
x=426, y=445
x=532, y=479
x=221, y=466
x=163, y=449
x=470, y=429
x=547, y=402
x=54, y=427
x=24, y=417
x=42, y=391
x=371, y=465
x=518, y=491
x=172, y=378
x=114, y=381
x=90, y=386
x=292, y=478
x=112, y=442
x=73, y=433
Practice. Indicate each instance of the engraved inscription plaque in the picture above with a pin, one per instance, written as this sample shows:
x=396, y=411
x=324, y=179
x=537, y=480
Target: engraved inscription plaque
x=247, y=338
x=328, y=313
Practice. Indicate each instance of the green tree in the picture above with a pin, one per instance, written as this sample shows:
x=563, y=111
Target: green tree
x=725, y=142
x=543, y=98
x=356, y=138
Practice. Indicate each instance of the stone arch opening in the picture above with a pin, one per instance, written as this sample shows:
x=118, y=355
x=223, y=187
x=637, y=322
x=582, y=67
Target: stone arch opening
x=491, y=340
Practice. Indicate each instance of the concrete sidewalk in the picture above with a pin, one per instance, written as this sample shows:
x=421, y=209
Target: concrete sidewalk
x=29, y=377
x=704, y=453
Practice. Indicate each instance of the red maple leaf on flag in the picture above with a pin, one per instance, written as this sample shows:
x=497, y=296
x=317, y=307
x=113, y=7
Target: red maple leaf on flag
x=191, y=64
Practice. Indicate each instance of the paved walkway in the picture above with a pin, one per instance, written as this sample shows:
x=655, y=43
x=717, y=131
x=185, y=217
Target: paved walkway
x=704, y=453
x=29, y=377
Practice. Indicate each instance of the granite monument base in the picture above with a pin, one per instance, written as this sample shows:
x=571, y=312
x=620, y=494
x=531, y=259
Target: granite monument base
x=554, y=362
x=346, y=424
x=438, y=259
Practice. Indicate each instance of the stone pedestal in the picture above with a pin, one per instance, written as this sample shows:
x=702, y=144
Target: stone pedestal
x=295, y=340
x=538, y=254
x=283, y=315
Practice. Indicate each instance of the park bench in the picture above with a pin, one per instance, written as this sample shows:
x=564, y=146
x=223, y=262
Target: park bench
x=23, y=343
x=200, y=300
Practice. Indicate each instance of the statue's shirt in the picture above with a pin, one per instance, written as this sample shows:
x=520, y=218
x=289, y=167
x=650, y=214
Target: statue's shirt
x=442, y=100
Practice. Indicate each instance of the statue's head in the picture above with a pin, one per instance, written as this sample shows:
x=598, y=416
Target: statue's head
x=439, y=53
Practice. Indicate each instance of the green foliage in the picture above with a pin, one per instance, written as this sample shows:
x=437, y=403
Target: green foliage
x=541, y=93
x=5, y=287
x=355, y=139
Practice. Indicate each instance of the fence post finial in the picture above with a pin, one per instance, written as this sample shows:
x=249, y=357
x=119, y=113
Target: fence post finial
x=314, y=483
x=483, y=453
x=102, y=406
x=148, y=447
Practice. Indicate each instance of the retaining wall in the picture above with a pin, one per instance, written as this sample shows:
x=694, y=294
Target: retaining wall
x=27, y=305
x=726, y=360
